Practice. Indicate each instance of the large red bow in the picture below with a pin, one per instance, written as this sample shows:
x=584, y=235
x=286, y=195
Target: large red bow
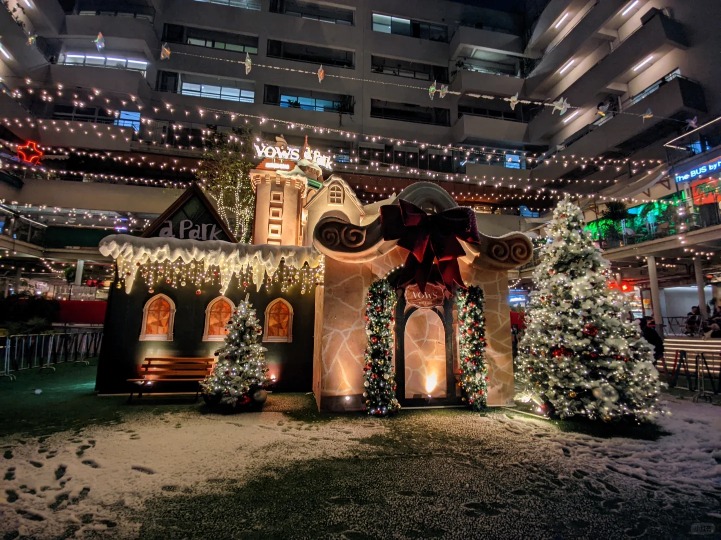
x=432, y=240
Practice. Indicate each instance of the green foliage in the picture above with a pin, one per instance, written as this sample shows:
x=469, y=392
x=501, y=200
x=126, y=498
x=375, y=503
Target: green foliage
x=578, y=358
x=472, y=340
x=380, y=384
x=241, y=368
x=23, y=314
x=225, y=174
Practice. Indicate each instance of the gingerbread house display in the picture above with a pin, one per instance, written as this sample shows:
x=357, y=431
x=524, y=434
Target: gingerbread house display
x=316, y=252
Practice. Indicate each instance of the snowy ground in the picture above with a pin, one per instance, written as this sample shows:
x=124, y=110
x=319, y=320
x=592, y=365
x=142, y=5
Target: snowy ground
x=423, y=474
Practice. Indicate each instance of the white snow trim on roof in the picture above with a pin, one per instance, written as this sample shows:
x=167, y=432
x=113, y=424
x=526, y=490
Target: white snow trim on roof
x=230, y=258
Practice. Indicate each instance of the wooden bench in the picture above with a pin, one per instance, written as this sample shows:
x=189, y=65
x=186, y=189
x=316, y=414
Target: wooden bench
x=696, y=360
x=170, y=370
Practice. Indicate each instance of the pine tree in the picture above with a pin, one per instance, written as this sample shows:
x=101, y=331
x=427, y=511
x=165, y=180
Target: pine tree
x=241, y=367
x=578, y=357
x=380, y=384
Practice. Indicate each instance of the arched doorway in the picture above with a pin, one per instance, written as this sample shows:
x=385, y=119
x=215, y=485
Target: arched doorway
x=425, y=354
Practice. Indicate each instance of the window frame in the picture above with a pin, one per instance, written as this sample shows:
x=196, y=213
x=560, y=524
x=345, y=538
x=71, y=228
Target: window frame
x=206, y=326
x=335, y=192
x=171, y=320
x=278, y=339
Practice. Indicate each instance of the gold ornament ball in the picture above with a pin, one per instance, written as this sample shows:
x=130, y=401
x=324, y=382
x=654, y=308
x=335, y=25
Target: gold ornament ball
x=572, y=394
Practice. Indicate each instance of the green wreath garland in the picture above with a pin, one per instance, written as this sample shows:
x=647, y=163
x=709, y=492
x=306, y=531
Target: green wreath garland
x=472, y=338
x=379, y=384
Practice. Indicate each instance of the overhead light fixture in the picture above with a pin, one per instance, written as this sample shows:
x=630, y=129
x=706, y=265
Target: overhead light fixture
x=560, y=22
x=571, y=116
x=629, y=8
x=567, y=65
x=646, y=61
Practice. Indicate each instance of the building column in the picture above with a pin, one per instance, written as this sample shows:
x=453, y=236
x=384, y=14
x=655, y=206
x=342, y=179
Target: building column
x=655, y=293
x=18, y=277
x=698, y=271
x=79, y=267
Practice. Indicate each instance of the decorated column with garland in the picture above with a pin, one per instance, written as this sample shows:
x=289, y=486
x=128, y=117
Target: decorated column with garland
x=379, y=380
x=241, y=369
x=472, y=340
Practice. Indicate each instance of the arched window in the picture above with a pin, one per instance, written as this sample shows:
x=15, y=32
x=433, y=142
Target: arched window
x=158, y=319
x=278, y=321
x=335, y=194
x=217, y=315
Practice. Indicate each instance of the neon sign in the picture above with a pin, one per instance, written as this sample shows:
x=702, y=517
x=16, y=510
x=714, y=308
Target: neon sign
x=30, y=153
x=293, y=153
x=709, y=167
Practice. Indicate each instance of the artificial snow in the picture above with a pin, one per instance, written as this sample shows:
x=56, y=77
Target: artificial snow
x=95, y=481
x=132, y=251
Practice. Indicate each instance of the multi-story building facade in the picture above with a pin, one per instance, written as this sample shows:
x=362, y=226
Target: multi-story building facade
x=122, y=97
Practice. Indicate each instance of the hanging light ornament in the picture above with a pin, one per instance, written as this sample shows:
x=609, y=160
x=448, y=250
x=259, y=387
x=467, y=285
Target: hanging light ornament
x=561, y=105
x=513, y=101
x=432, y=90
x=444, y=90
x=99, y=41
x=321, y=74
x=248, y=63
x=164, y=51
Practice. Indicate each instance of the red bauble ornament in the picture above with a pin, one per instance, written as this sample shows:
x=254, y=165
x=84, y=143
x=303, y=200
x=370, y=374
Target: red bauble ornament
x=590, y=330
x=198, y=292
x=379, y=309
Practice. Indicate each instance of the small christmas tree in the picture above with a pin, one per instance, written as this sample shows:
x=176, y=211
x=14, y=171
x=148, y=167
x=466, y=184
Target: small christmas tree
x=578, y=356
x=380, y=384
x=241, y=369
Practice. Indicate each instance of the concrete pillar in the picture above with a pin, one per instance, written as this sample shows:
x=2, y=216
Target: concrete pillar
x=79, y=267
x=18, y=276
x=655, y=293
x=698, y=271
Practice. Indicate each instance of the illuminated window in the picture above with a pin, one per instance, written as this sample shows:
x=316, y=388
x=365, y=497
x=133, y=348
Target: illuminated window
x=335, y=194
x=278, y=321
x=217, y=315
x=158, y=319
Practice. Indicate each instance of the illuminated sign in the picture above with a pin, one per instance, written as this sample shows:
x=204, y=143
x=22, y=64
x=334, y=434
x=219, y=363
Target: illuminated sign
x=292, y=153
x=432, y=297
x=709, y=167
x=188, y=229
x=30, y=153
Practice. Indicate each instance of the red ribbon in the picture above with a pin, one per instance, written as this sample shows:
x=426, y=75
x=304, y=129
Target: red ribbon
x=433, y=242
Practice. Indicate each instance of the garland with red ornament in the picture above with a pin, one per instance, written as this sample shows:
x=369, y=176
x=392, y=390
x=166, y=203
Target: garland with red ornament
x=380, y=385
x=472, y=337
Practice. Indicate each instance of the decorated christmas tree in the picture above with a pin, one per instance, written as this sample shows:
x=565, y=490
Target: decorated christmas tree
x=472, y=341
x=380, y=384
x=241, y=369
x=578, y=357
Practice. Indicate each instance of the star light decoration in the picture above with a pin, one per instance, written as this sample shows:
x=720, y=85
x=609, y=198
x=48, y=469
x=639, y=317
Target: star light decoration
x=99, y=41
x=513, y=101
x=647, y=115
x=561, y=105
x=30, y=153
x=321, y=74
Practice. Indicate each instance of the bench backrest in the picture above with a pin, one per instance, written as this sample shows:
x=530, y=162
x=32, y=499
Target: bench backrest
x=176, y=368
x=711, y=349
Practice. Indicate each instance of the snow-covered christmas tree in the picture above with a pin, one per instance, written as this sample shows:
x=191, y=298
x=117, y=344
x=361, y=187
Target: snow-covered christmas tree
x=578, y=357
x=241, y=369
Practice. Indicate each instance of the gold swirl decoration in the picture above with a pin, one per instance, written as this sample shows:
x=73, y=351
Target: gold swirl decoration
x=510, y=251
x=340, y=235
